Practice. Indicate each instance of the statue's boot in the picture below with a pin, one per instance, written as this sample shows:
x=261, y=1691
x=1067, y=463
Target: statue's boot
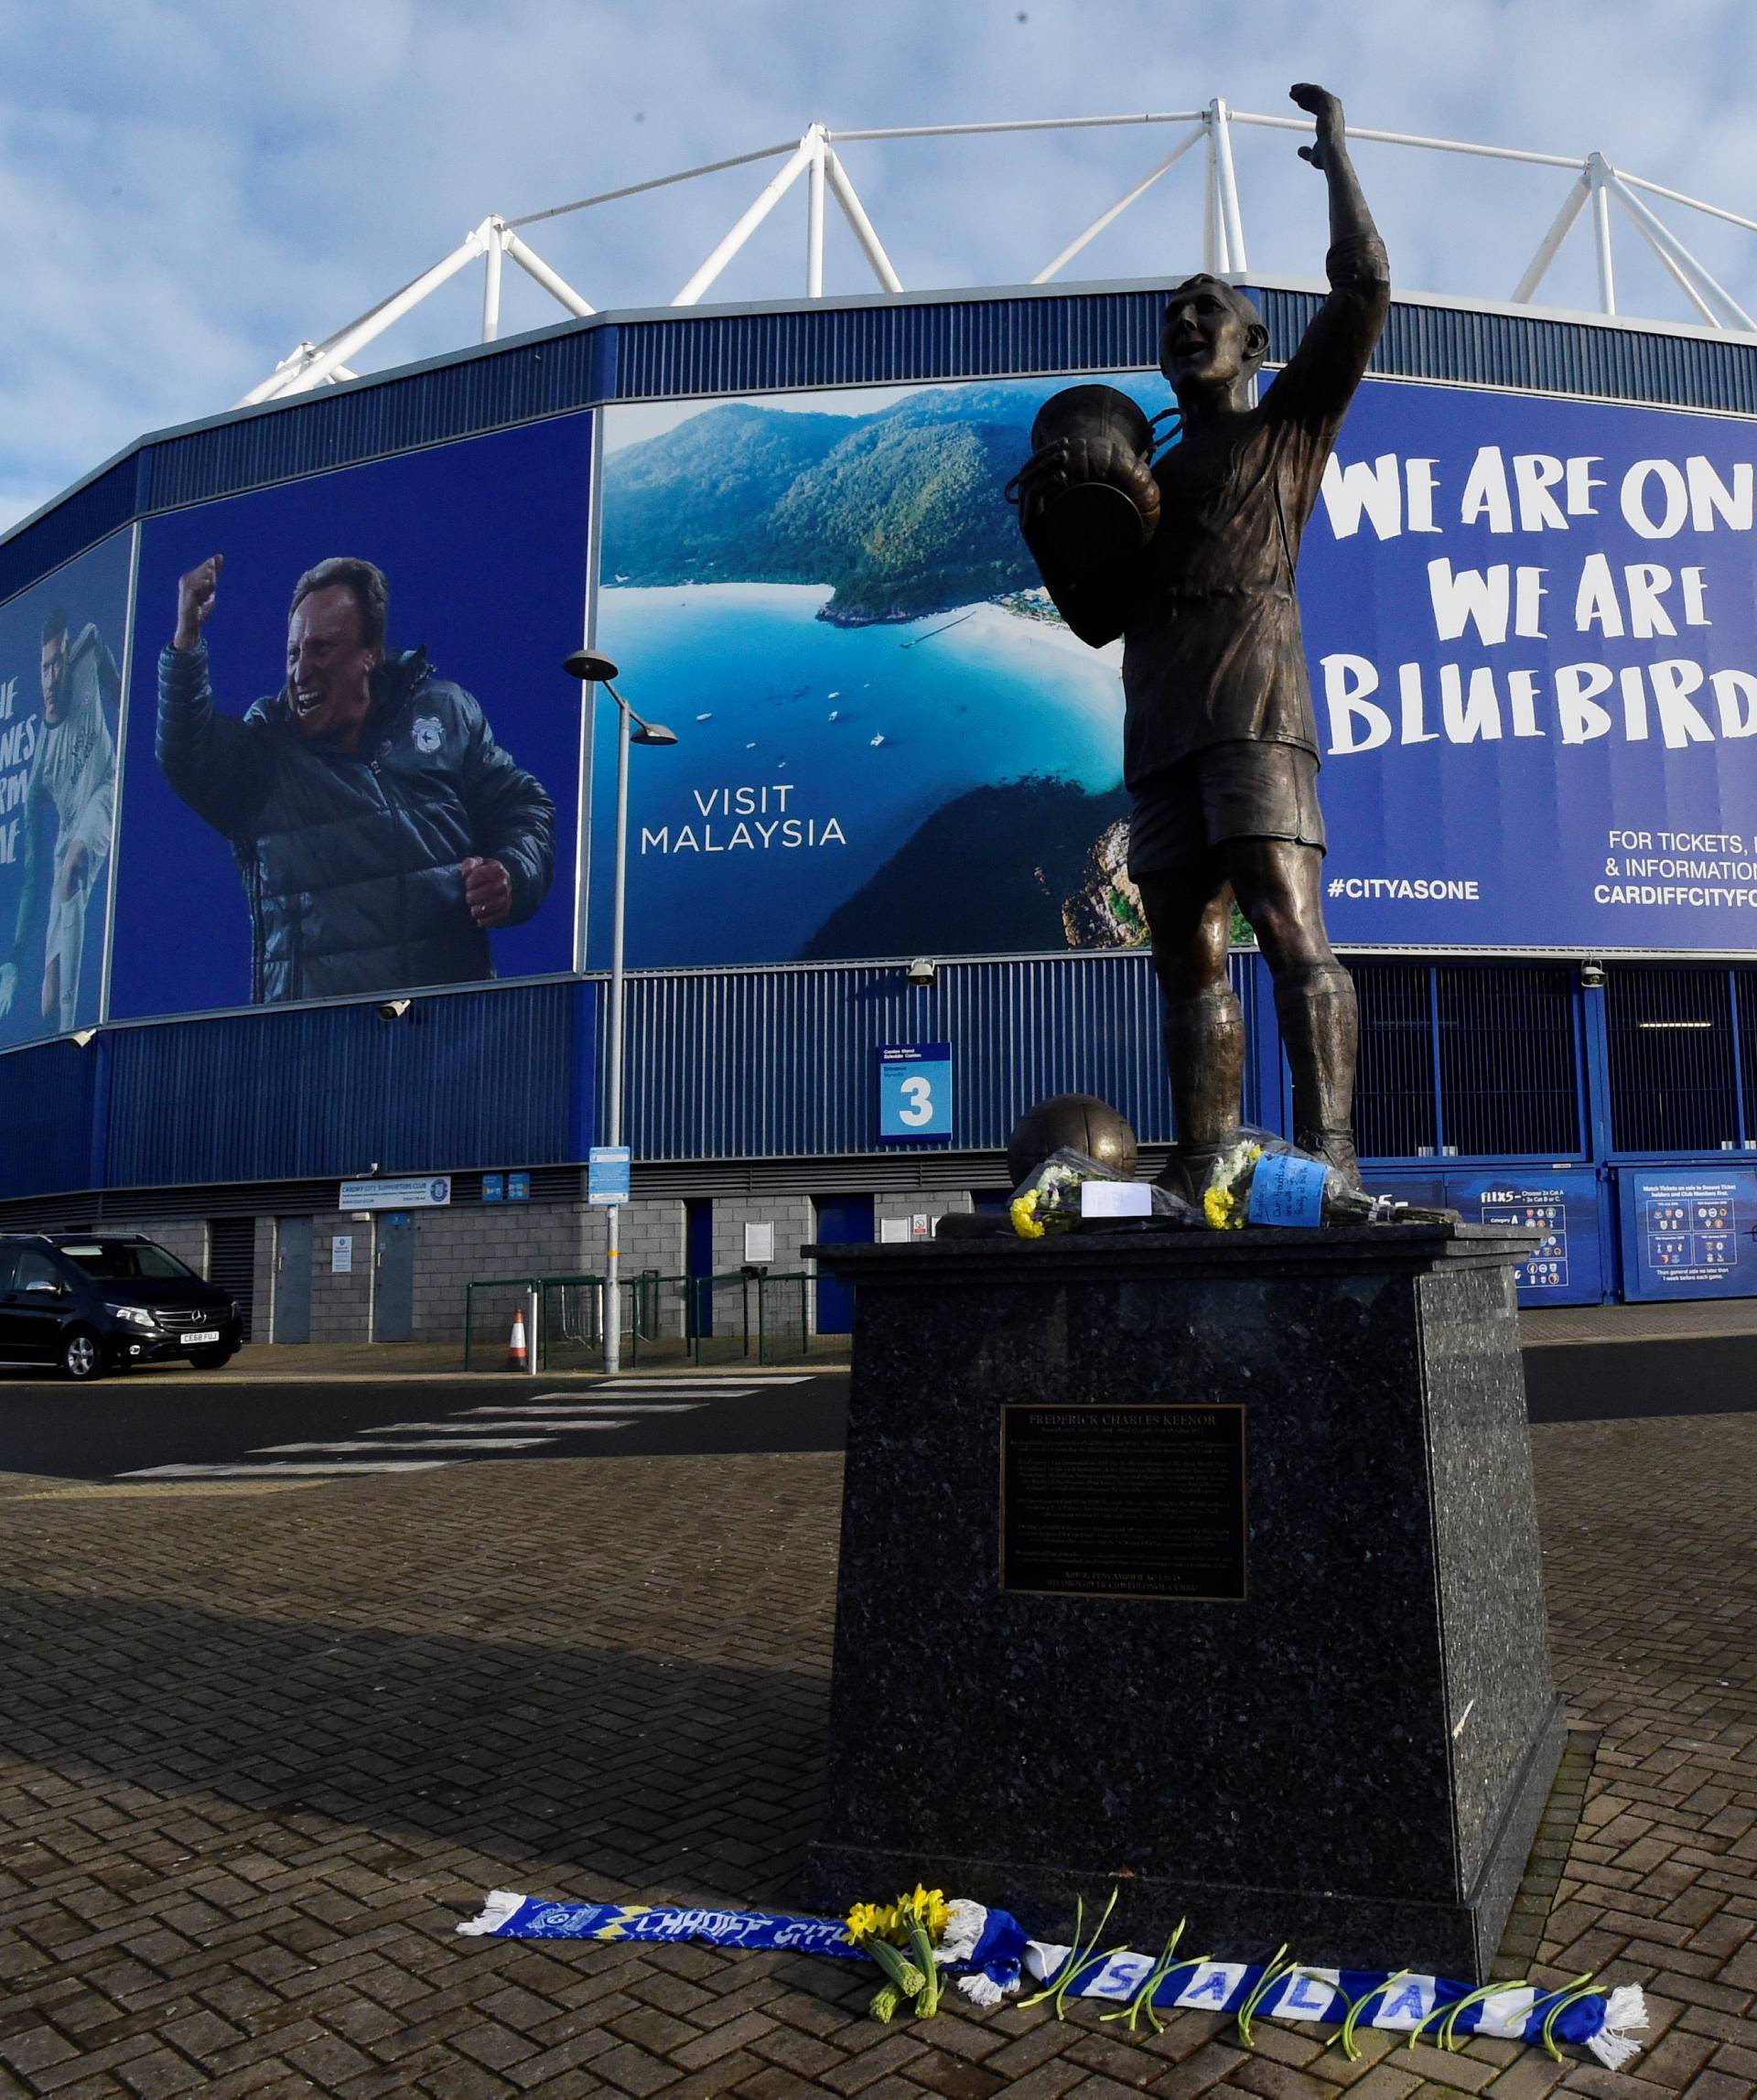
x=1320, y=1031
x=1204, y=1053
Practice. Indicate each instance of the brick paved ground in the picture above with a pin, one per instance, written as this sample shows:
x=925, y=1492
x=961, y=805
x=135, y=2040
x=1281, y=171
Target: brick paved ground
x=259, y=1750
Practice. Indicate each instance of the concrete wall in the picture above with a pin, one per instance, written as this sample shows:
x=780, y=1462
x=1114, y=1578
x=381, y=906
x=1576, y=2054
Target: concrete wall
x=186, y=1238
x=342, y=1306
x=261, y=1302
x=928, y=1203
x=468, y=1243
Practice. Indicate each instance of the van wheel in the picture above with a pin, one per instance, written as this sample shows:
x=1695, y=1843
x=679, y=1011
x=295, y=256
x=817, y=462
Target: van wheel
x=82, y=1355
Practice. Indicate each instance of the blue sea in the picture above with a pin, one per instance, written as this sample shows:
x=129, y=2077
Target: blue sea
x=792, y=706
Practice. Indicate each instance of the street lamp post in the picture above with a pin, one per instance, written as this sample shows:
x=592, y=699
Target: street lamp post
x=594, y=669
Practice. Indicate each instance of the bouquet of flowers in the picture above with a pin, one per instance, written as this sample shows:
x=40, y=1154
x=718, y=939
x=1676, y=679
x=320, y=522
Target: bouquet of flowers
x=1049, y=1201
x=1261, y=1179
x=918, y=1935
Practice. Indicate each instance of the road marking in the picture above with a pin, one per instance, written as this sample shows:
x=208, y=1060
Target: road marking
x=611, y=1396
x=449, y=1427
x=243, y=1472
x=408, y=1444
x=626, y=1382
x=585, y=1411
x=564, y=1425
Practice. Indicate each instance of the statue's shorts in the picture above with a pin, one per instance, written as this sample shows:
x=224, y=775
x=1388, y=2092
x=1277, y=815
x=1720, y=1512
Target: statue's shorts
x=1226, y=792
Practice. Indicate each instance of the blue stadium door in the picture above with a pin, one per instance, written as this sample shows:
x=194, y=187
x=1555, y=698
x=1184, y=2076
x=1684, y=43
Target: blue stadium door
x=843, y=1219
x=699, y=1243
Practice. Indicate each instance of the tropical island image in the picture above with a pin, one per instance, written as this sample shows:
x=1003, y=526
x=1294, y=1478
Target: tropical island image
x=844, y=601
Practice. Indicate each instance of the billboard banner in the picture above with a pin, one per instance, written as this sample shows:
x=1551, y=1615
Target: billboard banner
x=1532, y=629
x=354, y=758
x=1531, y=625
x=60, y=647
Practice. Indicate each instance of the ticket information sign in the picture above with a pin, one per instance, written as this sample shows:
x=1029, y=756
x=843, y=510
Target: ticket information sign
x=1689, y=1232
x=1561, y=1202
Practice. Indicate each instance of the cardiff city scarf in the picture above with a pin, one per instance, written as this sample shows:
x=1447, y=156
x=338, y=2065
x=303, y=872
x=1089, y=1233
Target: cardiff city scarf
x=993, y=1965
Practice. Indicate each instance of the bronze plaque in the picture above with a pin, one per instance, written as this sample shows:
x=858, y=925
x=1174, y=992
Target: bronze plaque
x=1123, y=1501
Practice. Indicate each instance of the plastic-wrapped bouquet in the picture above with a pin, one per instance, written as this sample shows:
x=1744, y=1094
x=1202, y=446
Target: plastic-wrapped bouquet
x=918, y=1935
x=1261, y=1179
x=1049, y=1198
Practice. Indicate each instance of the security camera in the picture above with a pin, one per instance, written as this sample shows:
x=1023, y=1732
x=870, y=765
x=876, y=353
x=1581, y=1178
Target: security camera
x=82, y=1038
x=392, y=1010
x=1591, y=975
x=922, y=970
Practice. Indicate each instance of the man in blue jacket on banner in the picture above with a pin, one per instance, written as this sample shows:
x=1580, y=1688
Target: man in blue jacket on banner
x=381, y=831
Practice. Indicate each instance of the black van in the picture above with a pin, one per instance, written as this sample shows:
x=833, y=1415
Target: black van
x=93, y=1302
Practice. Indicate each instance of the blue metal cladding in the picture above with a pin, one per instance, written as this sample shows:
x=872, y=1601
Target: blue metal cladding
x=83, y=517
x=754, y=1064
x=887, y=343
x=883, y=342
x=468, y=1081
x=46, y=1131
x=1482, y=348
x=340, y=427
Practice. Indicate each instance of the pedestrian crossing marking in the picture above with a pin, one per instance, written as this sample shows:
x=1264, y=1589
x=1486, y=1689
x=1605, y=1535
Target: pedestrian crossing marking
x=625, y=1381
x=409, y=1444
x=238, y=1470
x=560, y=1417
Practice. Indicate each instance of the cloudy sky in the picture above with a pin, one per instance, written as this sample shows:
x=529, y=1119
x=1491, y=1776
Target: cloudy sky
x=188, y=190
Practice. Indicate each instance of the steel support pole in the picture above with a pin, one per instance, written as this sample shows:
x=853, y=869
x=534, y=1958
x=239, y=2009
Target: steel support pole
x=814, y=219
x=854, y=212
x=1705, y=290
x=1122, y=204
x=534, y=267
x=1601, y=234
x=1231, y=220
x=771, y=195
x=613, y=1248
x=1210, y=216
x=374, y=324
x=1573, y=204
x=491, y=286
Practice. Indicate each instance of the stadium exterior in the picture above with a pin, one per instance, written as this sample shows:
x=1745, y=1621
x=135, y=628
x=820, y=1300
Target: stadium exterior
x=1559, y=1082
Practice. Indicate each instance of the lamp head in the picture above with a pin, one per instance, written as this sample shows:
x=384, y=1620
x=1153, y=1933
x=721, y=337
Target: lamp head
x=653, y=733
x=590, y=665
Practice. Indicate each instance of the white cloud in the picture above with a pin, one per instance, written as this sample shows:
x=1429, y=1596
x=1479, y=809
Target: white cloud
x=187, y=191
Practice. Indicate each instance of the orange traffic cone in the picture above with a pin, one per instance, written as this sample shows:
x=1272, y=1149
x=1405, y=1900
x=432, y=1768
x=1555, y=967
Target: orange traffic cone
x=517, y=1358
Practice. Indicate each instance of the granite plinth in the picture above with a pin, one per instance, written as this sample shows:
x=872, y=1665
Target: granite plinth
x=1354, y=1758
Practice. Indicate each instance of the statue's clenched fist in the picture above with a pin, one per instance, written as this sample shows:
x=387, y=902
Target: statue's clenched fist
x=195, y=595
x=1326, y=109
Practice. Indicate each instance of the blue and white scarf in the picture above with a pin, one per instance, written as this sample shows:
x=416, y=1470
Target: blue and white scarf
x=990, y=1954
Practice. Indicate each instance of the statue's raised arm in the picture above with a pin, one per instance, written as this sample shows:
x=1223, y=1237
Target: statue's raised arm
x=1319, y=378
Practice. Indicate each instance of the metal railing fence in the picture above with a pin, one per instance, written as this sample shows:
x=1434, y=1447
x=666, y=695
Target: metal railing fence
x=727, y=1319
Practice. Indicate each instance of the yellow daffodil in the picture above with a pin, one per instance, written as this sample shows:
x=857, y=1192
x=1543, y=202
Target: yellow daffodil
x=872, y=1921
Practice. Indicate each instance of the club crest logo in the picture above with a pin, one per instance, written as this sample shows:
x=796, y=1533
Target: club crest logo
x=428, y=735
